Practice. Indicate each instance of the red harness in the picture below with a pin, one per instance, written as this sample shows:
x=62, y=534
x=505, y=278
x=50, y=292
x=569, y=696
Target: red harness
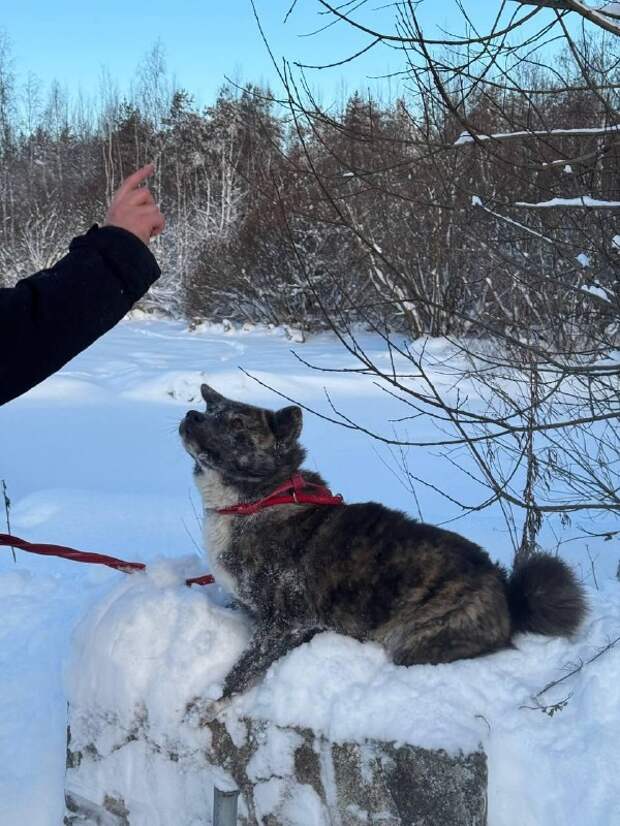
x=290, y=493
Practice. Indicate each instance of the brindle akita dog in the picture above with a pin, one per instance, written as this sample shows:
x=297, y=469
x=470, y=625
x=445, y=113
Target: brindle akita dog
x=426, y=594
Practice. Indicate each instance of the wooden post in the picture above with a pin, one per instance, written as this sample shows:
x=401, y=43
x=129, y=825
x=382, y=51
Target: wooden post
x=225, y=807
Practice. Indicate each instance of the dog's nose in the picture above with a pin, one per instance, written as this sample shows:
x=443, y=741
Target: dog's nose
x=195, y=417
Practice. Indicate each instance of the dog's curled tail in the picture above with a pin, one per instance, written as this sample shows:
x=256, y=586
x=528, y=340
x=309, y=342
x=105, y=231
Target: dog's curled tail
x=545, y=597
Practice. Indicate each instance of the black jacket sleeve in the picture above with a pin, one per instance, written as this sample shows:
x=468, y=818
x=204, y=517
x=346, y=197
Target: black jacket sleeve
x=50, y=317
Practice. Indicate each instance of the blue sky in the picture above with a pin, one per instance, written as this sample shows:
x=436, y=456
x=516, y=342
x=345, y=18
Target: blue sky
x=204, y=40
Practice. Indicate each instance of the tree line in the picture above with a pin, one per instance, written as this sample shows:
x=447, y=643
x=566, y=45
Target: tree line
x=383, y=212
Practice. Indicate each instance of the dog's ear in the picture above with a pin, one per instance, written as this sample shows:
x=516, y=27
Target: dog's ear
x=287, y=423
x=211, y=396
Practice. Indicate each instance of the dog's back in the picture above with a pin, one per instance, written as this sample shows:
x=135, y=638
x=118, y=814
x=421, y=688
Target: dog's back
x=428, y=595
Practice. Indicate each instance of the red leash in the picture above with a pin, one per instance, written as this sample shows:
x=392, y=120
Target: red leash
x=64, y=552
x=289, y=493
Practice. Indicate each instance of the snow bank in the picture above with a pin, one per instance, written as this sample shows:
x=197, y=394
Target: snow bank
x=36, y=609
x=92, y=459
x=153, y=646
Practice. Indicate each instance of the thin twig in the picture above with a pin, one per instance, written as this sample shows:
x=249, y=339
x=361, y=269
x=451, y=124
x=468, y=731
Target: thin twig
x=576, y=670
x=7, y=509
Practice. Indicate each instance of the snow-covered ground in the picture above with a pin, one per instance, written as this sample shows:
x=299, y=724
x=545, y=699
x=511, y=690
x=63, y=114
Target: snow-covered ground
x=92, y=459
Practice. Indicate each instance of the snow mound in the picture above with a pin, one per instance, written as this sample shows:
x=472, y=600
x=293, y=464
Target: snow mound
x=152, y=647
x=153, y=644
x=67, y=388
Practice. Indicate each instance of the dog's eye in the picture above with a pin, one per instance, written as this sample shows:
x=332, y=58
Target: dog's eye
x=236, y=423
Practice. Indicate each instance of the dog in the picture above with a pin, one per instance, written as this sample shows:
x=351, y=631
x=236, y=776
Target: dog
x=426, y=594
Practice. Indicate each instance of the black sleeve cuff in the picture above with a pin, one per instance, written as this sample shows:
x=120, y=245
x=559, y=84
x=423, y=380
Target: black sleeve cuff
x=132, y=261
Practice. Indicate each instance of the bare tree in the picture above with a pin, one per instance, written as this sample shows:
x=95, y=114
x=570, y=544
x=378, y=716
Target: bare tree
x=510, y=166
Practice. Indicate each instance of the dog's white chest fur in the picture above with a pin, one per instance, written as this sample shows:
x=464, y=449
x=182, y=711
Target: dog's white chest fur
x=217, y=528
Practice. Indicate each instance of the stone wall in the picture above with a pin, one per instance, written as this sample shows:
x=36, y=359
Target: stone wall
x=286, y=777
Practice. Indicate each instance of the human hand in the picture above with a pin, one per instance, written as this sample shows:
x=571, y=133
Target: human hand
x=133, y=207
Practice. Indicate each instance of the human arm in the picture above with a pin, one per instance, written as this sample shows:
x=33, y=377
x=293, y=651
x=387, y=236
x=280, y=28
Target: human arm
x=50, y=317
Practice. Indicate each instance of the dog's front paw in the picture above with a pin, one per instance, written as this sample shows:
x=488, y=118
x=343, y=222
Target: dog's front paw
x=200, y=711
x=213, y=710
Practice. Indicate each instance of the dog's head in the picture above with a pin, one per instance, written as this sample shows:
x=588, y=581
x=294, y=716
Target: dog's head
x=241, y=442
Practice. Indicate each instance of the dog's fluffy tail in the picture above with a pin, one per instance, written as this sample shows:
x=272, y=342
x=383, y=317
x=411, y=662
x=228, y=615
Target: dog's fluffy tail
x=544, y=597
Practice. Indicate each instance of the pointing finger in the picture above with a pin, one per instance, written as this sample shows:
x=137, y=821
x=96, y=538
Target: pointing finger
x=133, y=181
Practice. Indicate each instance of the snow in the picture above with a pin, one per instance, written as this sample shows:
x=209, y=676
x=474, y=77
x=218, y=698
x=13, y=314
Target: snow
x=600, y=16
x=466, y=137
x=583, y=259
x=275, y=755
x=598, y=291
x=92, y=459
x=477, y=202
x=610, y=9
x=155, y=643
x=579, y=201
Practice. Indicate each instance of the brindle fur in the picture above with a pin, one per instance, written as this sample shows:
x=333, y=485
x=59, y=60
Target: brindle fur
x=426, y=594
